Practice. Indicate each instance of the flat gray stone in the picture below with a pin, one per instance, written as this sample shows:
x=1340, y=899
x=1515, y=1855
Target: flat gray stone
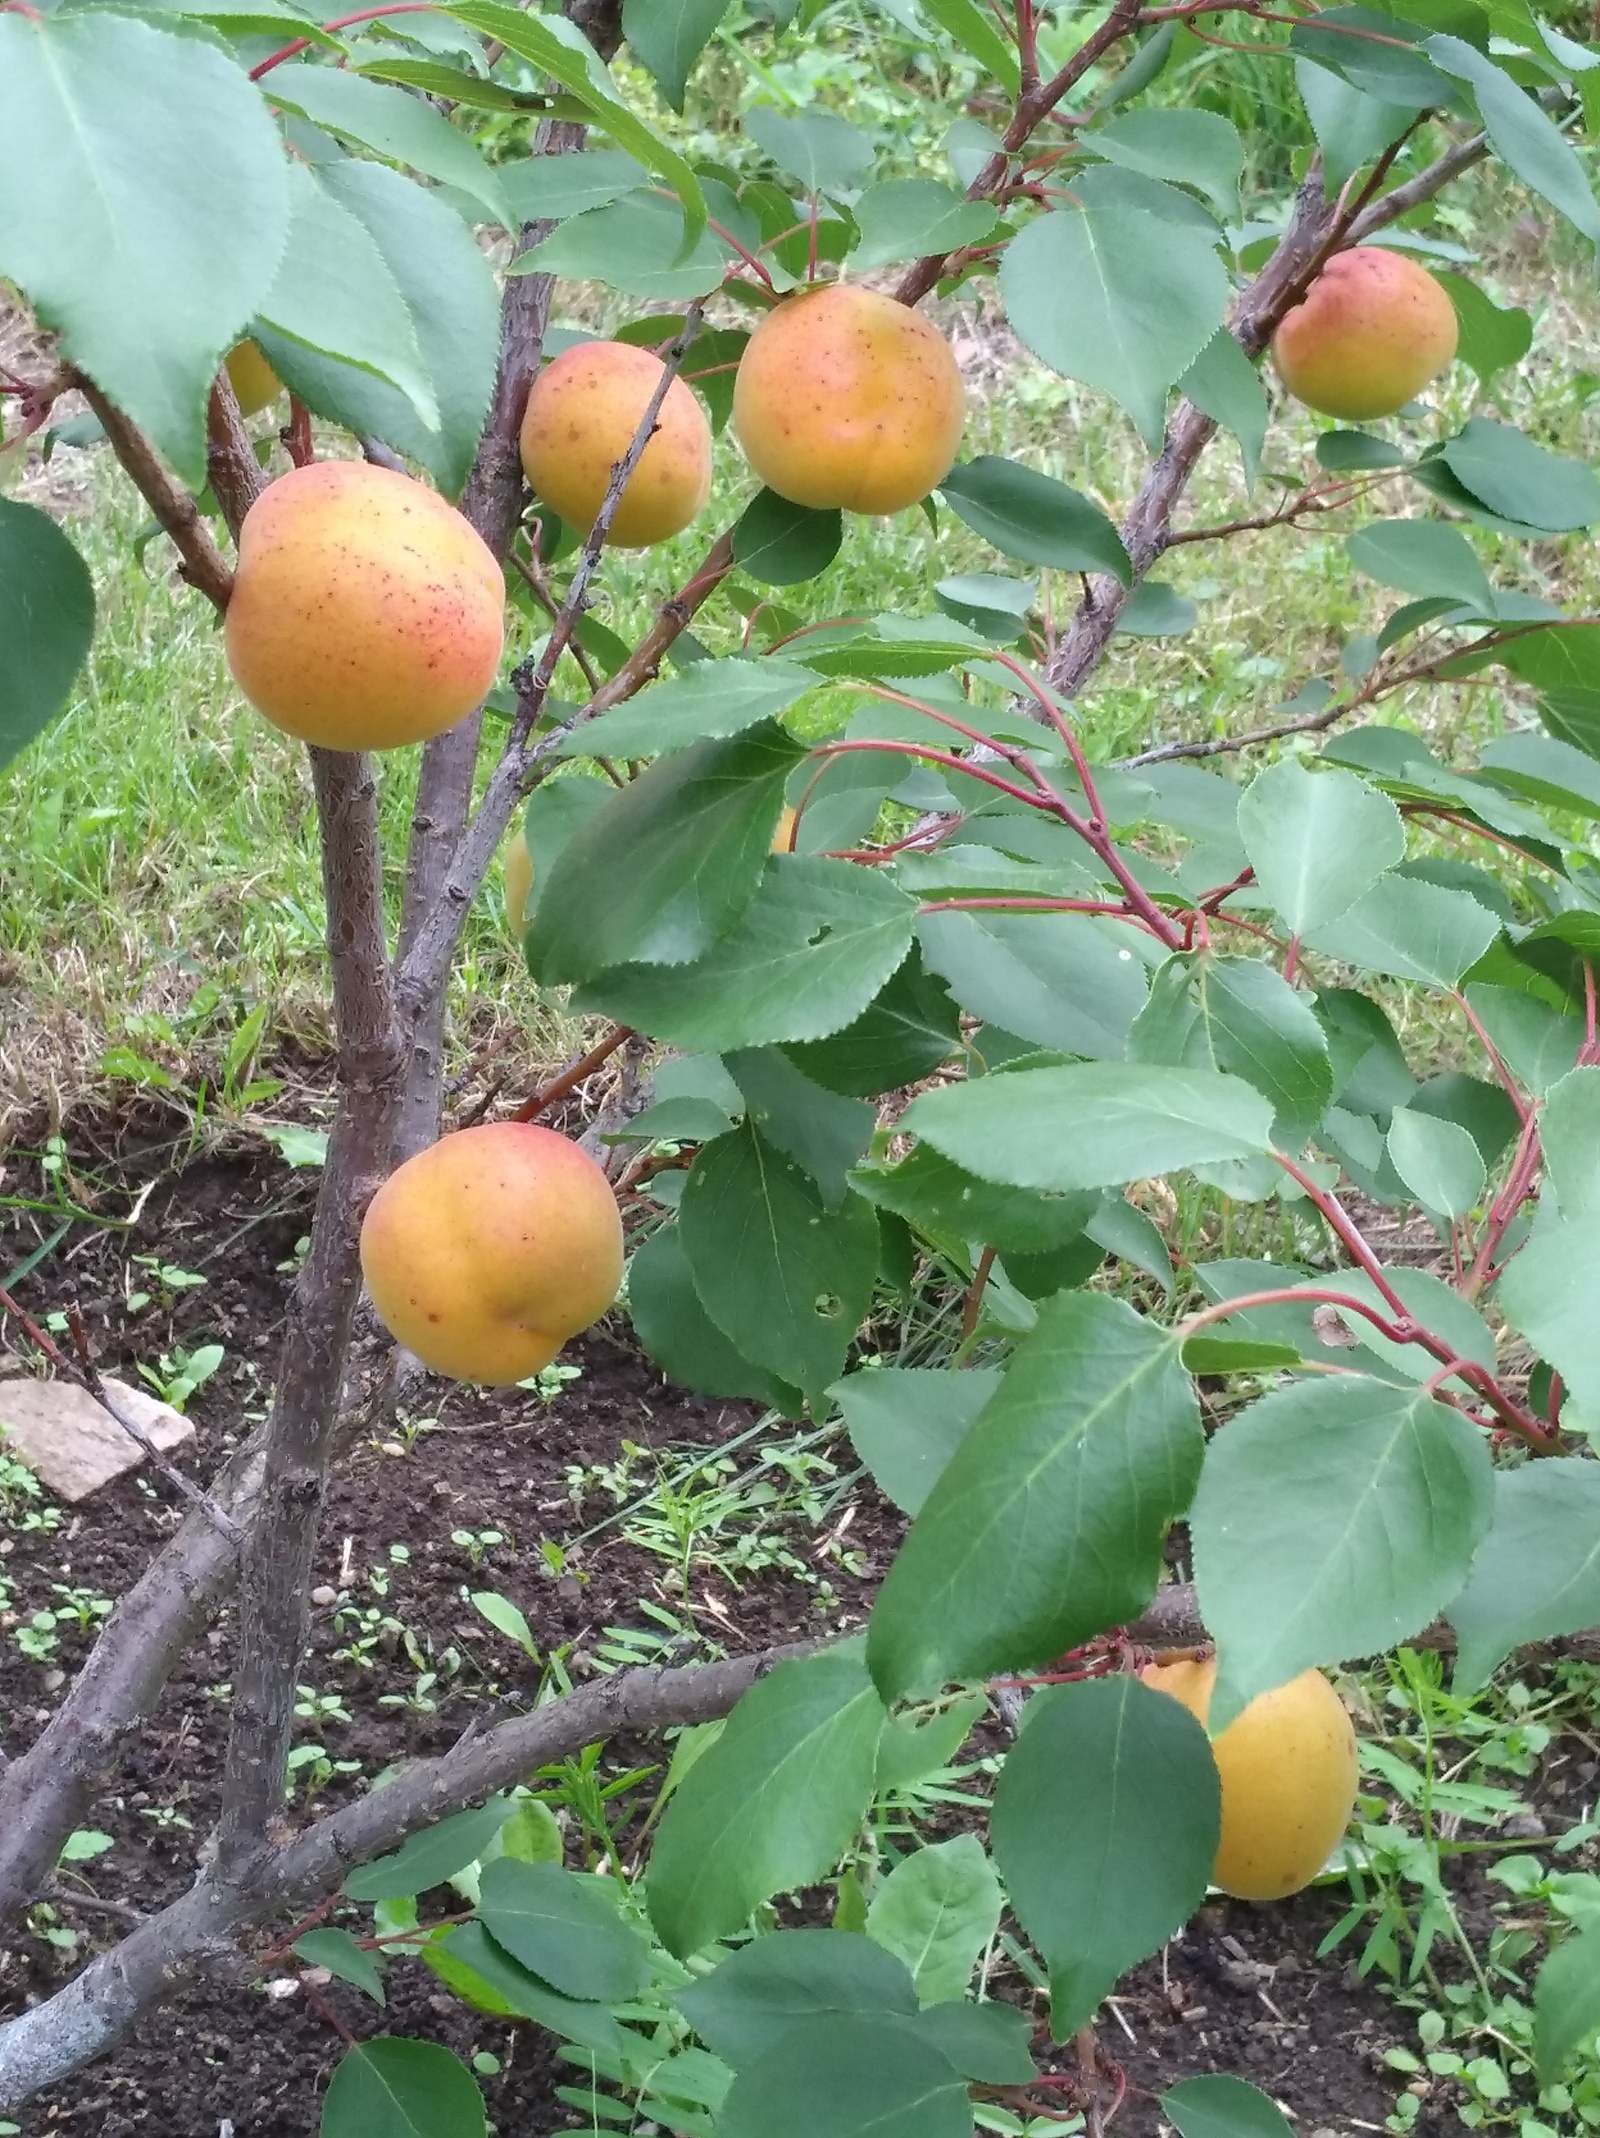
x=72, y=1446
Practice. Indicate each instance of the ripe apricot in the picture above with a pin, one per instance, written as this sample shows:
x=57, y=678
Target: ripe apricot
x=582, y=416
x=1288, y=1769
x=366, y=612
x=844, y=397
x=254, y=381
x=518, y=883
x=1371, y=331
x=488, y=1250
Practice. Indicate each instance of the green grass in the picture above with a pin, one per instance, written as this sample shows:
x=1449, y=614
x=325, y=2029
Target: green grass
x=160, y=870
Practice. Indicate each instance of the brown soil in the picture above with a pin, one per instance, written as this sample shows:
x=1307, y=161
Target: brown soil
x=1240, y=1991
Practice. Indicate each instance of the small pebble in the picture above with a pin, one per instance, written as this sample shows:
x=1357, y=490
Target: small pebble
x=324, y=1596
x=282, y=1986
x=54, y=1680
x=1524, y=1826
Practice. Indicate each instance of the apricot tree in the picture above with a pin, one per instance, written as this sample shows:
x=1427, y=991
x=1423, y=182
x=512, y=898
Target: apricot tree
x=991, y=975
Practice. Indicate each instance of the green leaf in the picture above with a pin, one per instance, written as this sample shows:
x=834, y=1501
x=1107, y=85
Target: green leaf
x=1545, y=771
x=937, y=1910
x=335, y=295
x=990, y=2043
x=449, y=293
x=1066, y=980
x=1105, y=1826
x=668, y=36
x=781, y=543
x=565, y=1927
x=819, y=149
x=785, y=1280
x=910, y=1750
x=1521, y=480
x=561, y=50
x=1266, y=1032
x=709, y=698
x=1537, y=1574
x=1217, y=2105
x=1564, y=666
x=772, y=1804
x=819, y=940
x=470, y=1962
x=914, y=218
x=391, y=2088
x=820, y=1131
x=1520, y=133
x=338, y=1952
x=937, y=1196
x=147, y=275
x=904, y=1035
x=1491, y=338
x=1033, y=517
x=550, y=187
x=1422, y=557
x=1092, y=1124
x=1224, y=384
x=1537, y=1043
x=1343, y=452
x=46, y=619
x=978, y=36
x=1192, y=148
x=1438, y=1161
x=403, y=127
x=1156, y=610
x=848, y=2076
x=1117, y=297
x=431, y=1857
x=1547, y=1293
x=747, y=2003
x=696, y=830
x=1358, y=43
x=638, y=244
x=1332, y=1520
x=458, y=86
x=1352, y=127
x=1318, y=841
x=1046, y=1525
x=1569, y=1136
x=1566, y=2004
x=906, y=1422
x=1410, y=929
x=682, y=1338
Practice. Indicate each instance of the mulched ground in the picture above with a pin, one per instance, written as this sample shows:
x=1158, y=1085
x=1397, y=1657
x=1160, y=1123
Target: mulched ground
x=1239, y=1991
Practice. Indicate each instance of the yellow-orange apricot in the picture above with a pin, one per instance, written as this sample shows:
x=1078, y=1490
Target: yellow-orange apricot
x=583, y=413
x=254, y=381
x=1371, y=331
x=366, y=612
x=518, y=883
x=488, y=1250
x=1288, y=1769
x=844, y=397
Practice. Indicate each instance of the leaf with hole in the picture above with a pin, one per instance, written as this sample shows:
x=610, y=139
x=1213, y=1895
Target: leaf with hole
x=785, y=1279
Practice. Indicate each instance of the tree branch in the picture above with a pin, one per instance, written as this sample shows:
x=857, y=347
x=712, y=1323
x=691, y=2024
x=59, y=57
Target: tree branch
x=86, y=2017
x=203, y=564
x=282, y=1539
